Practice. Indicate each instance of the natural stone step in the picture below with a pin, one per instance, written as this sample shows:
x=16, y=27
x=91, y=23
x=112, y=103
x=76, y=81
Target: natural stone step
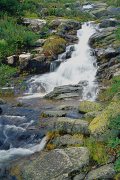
x=71, y=126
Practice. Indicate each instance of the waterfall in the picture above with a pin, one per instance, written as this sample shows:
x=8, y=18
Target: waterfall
x=80, y=67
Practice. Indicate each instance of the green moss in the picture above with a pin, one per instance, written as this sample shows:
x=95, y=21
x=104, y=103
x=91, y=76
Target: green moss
x=91, y=115
x=100, y=124
x=97, y=150
x=88, y=106
x=54, y=45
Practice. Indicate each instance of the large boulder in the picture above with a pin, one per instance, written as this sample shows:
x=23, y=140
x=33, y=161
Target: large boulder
x=71, y=126
x=53, y=46
x=56, y=23
x=99, y=36
x=68, y=140
x=34, y=65
x=115, y=11
x=34, y=24
x=88, y=106
x=104, y=55
x=67, y=91
x=108, y=23
x=24, y=59
x=103, y=172
x=54, y=164
x=70, y=25
x=101, y=12
x=13, y=60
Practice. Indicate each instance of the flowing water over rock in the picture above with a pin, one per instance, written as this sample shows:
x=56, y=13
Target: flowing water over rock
x=80, y=67
x=19, y=136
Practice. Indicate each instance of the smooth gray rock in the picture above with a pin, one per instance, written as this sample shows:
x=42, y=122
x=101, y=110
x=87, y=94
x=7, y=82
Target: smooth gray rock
x=104, y=172
x=66, y=91
x=71, y=126
x=67, y=140
x=35, y=24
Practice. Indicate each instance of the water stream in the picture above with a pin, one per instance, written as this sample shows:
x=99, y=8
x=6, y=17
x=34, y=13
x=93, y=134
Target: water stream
x=80, y=67
x=17, y=136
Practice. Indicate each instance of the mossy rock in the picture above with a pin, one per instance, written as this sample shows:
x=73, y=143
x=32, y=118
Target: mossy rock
x=54, y=46
x=91, y=115
x=99, y=126
x=88, y=106
x=98, y=151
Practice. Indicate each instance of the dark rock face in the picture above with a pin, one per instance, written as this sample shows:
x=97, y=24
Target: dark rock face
x=99, y=36
x=107, y=54
x=0, y=110
x=108, y=23
x=114, y=11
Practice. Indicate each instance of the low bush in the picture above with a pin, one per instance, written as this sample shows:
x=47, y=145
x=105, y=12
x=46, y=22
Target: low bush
x=14, y=37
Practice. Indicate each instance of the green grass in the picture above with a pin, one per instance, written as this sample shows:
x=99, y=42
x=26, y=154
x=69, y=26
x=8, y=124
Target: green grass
x=114, y=143
x=114, y=87
x=118, y=33
x=6, y=74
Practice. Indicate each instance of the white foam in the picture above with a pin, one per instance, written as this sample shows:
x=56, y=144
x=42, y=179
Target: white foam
x=11, y=154
x=80, y=67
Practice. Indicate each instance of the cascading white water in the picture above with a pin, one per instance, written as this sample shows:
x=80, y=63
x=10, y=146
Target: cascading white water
x=12, y=153
x=8, y=131
x=80, y=67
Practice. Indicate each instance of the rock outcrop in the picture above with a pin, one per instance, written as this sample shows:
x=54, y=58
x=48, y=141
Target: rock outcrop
x=55, y=164
x=71, y=126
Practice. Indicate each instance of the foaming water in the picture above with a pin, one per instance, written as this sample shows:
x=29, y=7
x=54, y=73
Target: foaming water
x=80, y=67
x=14, y=142
x=11, y=154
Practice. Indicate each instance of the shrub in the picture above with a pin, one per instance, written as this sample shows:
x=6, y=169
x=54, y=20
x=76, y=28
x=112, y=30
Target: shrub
x=14, y=37
x=10, y=6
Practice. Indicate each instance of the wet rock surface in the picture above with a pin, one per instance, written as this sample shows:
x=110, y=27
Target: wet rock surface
x=67, y=91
